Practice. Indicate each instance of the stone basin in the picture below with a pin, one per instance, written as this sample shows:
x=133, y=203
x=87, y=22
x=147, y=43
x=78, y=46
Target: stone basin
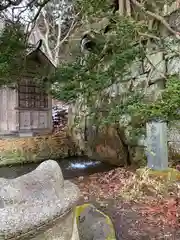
x=38, y=205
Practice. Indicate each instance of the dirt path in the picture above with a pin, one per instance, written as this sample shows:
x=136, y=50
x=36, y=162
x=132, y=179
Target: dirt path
x=150, y=215
x=130, y=224
x=152, y=218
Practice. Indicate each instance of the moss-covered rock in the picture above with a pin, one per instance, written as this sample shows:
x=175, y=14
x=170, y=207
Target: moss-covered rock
x=137, y=156
x=71, y=49
x=174, y=152
x=93, y=224
x=106, y=145
x=35, y=149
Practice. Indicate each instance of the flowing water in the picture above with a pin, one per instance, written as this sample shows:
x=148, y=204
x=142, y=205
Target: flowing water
x=71, y=167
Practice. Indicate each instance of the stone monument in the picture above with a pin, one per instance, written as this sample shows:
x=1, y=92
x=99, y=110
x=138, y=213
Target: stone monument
x=38, y=205
x=157, y=148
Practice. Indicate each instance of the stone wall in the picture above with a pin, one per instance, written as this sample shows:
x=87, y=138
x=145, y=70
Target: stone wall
x=162, y=60
x=147, y=75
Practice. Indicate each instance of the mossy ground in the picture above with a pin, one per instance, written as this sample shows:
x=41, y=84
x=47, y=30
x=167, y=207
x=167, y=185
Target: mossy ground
x=169, y=174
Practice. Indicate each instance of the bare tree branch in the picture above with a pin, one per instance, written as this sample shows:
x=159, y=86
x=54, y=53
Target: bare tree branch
x=73, y=24
x=21, y=11
x=156, y=16
x=54, y=25
x=5, y=4
x=58, y=38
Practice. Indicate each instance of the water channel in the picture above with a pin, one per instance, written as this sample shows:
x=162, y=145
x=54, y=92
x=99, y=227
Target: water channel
x=71, y=168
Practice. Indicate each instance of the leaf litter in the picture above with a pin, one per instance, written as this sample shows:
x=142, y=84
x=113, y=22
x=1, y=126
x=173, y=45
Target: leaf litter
x=149, y=205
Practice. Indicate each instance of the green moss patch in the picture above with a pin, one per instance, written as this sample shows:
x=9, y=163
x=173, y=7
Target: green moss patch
x=35, y=149
x=169, y=174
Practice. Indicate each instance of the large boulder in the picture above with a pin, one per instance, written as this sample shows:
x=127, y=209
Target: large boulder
x=93, y=224
x=76, y=131
x=106, y=145
x=174, y=142
x=38, y=205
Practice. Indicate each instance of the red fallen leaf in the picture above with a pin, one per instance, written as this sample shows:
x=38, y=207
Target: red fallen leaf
x=166, y=211
x=153, y=209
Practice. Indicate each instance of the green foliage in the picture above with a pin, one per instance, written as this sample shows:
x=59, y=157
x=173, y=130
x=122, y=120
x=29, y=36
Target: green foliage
x=93, y=8
x=12, y=52
x=91, y=75
x=166, y=107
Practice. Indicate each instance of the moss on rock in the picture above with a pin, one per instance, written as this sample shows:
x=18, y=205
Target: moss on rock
x=106, y=145
x=174, y=153
x=35, y=149
x=93, y=224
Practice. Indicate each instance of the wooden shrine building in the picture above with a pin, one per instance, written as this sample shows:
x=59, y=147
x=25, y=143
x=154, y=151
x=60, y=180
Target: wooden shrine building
x=26, y=109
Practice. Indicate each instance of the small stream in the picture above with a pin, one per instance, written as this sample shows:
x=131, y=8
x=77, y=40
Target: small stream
x=71, y=168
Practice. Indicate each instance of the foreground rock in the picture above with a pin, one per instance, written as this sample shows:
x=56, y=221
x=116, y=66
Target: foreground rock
x=38, y=205
x=94, y=224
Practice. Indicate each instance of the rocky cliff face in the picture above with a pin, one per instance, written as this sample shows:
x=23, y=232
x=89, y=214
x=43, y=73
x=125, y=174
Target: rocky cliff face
x=146, y=75
x=108, y=145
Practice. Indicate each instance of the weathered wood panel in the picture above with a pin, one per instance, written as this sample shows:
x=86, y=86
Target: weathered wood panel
x=35, y=119
x=43, y=117
x=30, y=119
x=13, y=121
x=8, y=114
x=24, y=120
x=3, y=110
x=50, y=123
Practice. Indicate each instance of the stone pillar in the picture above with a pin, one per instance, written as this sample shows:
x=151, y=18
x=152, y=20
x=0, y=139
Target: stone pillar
x=157, y=149
x=38, y=205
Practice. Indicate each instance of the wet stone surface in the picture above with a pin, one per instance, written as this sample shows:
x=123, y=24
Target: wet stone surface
x=71, y=167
